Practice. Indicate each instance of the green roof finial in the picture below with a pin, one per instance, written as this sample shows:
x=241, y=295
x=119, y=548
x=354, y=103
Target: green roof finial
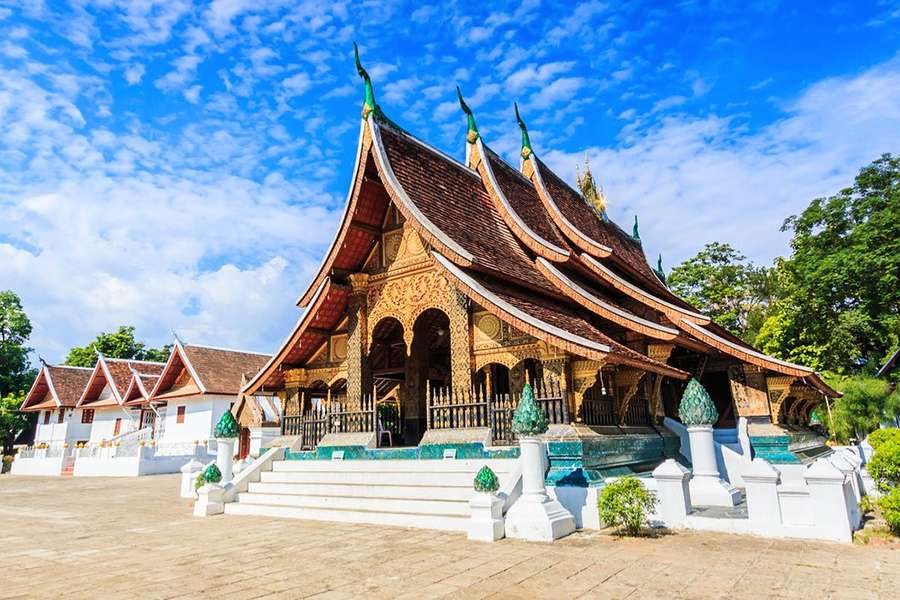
x=660, y=272
x=696, y=407
x=369, y=105
x=486, y=481
x=527, y=150
x=471, y=127
x=634, y=231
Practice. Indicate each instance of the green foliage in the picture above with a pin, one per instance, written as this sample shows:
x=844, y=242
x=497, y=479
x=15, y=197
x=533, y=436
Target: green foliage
x=227, y=427
x=118, y=344
x=529, y=419
x=838, y=294
x=200, y=481
x=12, y=422
x=696, y=407
x=625, y=504
x=486, y=481
x=890, y=509
x=866, y=505
x=862, y=407
x=212, y=474
x=885, y=465
x=7, y=463
x=721, y=283
x=16, y=373
x=880, y=437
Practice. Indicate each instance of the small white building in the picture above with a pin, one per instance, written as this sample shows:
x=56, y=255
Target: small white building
x=198, y=385
x=60, y=425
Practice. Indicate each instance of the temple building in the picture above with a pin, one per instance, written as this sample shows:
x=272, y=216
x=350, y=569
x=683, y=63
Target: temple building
x=451, y=284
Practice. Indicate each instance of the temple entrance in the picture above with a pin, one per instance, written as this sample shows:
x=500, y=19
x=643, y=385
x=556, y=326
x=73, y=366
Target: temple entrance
x=428, y=369
x=387, y=359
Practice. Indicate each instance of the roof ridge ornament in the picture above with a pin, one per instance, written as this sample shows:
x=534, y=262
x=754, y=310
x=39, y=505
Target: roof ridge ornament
x=471, y=128
x=527, y=150
x=595, y=198
x=369, y=105
x=660, y=272
x=635, y=233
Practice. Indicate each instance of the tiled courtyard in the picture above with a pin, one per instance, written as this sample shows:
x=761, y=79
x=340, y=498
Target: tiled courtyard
x=134, y=538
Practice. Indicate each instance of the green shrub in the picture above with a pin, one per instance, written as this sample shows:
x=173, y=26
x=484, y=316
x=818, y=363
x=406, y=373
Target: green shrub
x=890, y=510
x=200, y=481
x=625, y=504
x=7, y=463
x=882, y=436
x=866, y=505
x=885, y=465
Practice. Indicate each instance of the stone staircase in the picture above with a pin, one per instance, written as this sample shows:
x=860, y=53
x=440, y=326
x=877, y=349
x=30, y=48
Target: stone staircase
x=432, y=494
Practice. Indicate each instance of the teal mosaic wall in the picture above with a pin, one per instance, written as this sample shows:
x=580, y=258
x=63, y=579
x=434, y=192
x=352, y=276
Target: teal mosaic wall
x=431, y=451
x=773, y=448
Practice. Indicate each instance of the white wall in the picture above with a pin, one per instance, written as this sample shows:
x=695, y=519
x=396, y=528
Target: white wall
x=104, y=425
x=70, y=430
x=200, y=417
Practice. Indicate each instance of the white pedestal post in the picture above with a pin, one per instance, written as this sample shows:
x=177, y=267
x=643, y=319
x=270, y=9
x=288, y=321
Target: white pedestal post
x=707, y=489
x=225, y=458
x=673, y=493
x=486, y=523
x=830, y=496
x=189, y=473
x=535, y=516
x=763, y=507
x=209, y=500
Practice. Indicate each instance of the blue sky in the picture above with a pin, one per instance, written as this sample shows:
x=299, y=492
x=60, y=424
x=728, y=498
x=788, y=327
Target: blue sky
x=181, y=166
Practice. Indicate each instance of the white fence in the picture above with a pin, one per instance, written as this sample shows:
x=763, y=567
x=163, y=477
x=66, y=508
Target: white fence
x=822, y=504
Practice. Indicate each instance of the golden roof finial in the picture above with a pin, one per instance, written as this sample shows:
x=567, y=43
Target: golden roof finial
x=594, y=196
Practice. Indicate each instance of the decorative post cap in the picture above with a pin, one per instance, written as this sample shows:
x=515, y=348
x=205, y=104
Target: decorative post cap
x=529, y=419
x=486, y=481
x=471, y=127
x=369, y=105
x=697, y=407
x=635, y=234
x=527, y=150
x=227, y=427
x=212, y=474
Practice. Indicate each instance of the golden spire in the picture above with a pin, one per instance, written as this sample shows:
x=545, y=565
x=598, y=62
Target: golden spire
x=594, y=196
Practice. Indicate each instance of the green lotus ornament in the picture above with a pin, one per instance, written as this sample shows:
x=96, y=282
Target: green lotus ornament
x=528, y=419
x=697, y=407
x=227, y=427
x=486, y=481
x=212, y=474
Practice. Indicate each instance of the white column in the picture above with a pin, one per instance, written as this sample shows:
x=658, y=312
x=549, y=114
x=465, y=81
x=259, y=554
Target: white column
x=535, y=516
x=225, y=457
x=189, y=473
x=673, y=493
x=486, y=522
x=763, y=508
x=209, y=501
x=707, y=489
x=830, y=496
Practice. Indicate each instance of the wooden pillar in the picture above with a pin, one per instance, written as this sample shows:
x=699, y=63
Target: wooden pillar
x=460, y=342
x=583, y=376
x=357, y=344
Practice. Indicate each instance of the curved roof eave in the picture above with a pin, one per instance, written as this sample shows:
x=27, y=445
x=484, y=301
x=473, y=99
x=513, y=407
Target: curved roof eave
x=345, y=223
x=314, y=304
x=523, y=231
x=578, y=237
x=674, y=312
x=601, y=307
x=746, y=354
x=45, y=373
x=427, y=230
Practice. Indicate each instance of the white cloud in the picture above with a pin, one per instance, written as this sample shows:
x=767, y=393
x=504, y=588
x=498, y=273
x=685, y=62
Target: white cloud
x=697, y=180
x=530, y=76
x=297, y=84
x=134, y=73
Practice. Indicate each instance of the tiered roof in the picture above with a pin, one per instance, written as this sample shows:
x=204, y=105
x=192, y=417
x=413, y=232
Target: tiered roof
x=56, y=386
x=522, y=244
x=111, y=381
x=194, y=369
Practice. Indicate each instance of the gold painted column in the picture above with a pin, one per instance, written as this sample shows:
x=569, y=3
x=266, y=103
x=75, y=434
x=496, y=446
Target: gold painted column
x=460, y=342
x=358, y=380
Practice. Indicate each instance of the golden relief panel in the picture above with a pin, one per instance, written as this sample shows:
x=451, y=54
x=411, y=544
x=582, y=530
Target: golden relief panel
x=401, y=248
x=338, y=348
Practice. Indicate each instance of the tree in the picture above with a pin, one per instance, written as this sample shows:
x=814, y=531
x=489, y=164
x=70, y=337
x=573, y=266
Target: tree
x=863, y=407
x=15, y=369
x=118, y=344
x=12, y=421
x=838, y=303
x=720, y=282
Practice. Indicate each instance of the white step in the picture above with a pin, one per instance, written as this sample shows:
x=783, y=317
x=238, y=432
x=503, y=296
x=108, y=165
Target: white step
x=356, y=503
x=435, y=492
x=370, y=478
x=498, y=465
x=443, y=522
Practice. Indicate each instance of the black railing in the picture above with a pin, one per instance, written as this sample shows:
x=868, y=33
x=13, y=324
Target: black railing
x=598, y=409
x=338, y=416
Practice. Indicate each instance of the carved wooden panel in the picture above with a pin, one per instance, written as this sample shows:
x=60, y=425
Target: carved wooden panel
x=748, y=390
